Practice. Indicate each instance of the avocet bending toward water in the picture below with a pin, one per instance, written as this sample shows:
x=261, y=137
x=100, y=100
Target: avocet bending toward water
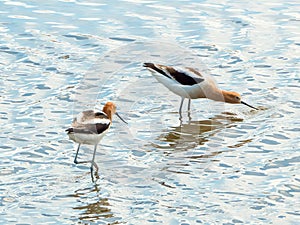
x=189, y=83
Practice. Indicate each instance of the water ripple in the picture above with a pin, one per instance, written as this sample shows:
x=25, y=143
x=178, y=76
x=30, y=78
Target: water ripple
x=219, y=164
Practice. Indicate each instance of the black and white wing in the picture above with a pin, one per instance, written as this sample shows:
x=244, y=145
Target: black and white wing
x=97, y=128
x=90, y=122
x=184, y=76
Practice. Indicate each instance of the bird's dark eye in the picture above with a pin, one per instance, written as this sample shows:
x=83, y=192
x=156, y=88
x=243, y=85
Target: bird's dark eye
x=237, y=97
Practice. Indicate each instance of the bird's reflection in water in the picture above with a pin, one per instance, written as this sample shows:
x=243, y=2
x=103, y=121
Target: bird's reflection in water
x=192, y=133
x=93, y=211
x=193, y=141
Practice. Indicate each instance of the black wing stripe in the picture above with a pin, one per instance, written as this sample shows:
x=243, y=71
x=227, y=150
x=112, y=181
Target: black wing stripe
x=69, y=130
x=184, y=78
x=101, y=127
x=97, y=128
x=101, y=115
x=152, y=66
x=180, y=77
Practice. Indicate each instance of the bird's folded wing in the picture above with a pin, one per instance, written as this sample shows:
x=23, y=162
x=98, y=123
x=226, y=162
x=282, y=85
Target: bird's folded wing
x=186, y=76
x=97, y=128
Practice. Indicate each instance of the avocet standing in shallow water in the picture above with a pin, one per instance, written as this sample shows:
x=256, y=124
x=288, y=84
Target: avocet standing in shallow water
x=191, y=84
x=89, y=127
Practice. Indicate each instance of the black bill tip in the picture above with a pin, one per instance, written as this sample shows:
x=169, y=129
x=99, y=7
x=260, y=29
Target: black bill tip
x=248, y=105
x=121, y=118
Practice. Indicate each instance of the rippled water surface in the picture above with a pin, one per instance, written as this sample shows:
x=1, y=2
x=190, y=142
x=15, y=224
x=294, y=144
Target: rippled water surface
x=220, y=164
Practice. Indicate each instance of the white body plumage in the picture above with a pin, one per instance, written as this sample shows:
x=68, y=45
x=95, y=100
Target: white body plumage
x=89, y=127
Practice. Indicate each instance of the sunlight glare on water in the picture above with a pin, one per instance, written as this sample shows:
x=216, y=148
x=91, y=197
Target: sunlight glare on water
x=219, y=164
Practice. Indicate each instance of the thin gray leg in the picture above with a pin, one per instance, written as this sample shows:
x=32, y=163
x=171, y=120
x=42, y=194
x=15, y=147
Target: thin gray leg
x=75, y=159
x=189, y=105
x=180, y=108
x=94, y=164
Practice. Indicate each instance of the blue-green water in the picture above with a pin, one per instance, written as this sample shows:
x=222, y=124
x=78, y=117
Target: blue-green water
x=223, y=164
